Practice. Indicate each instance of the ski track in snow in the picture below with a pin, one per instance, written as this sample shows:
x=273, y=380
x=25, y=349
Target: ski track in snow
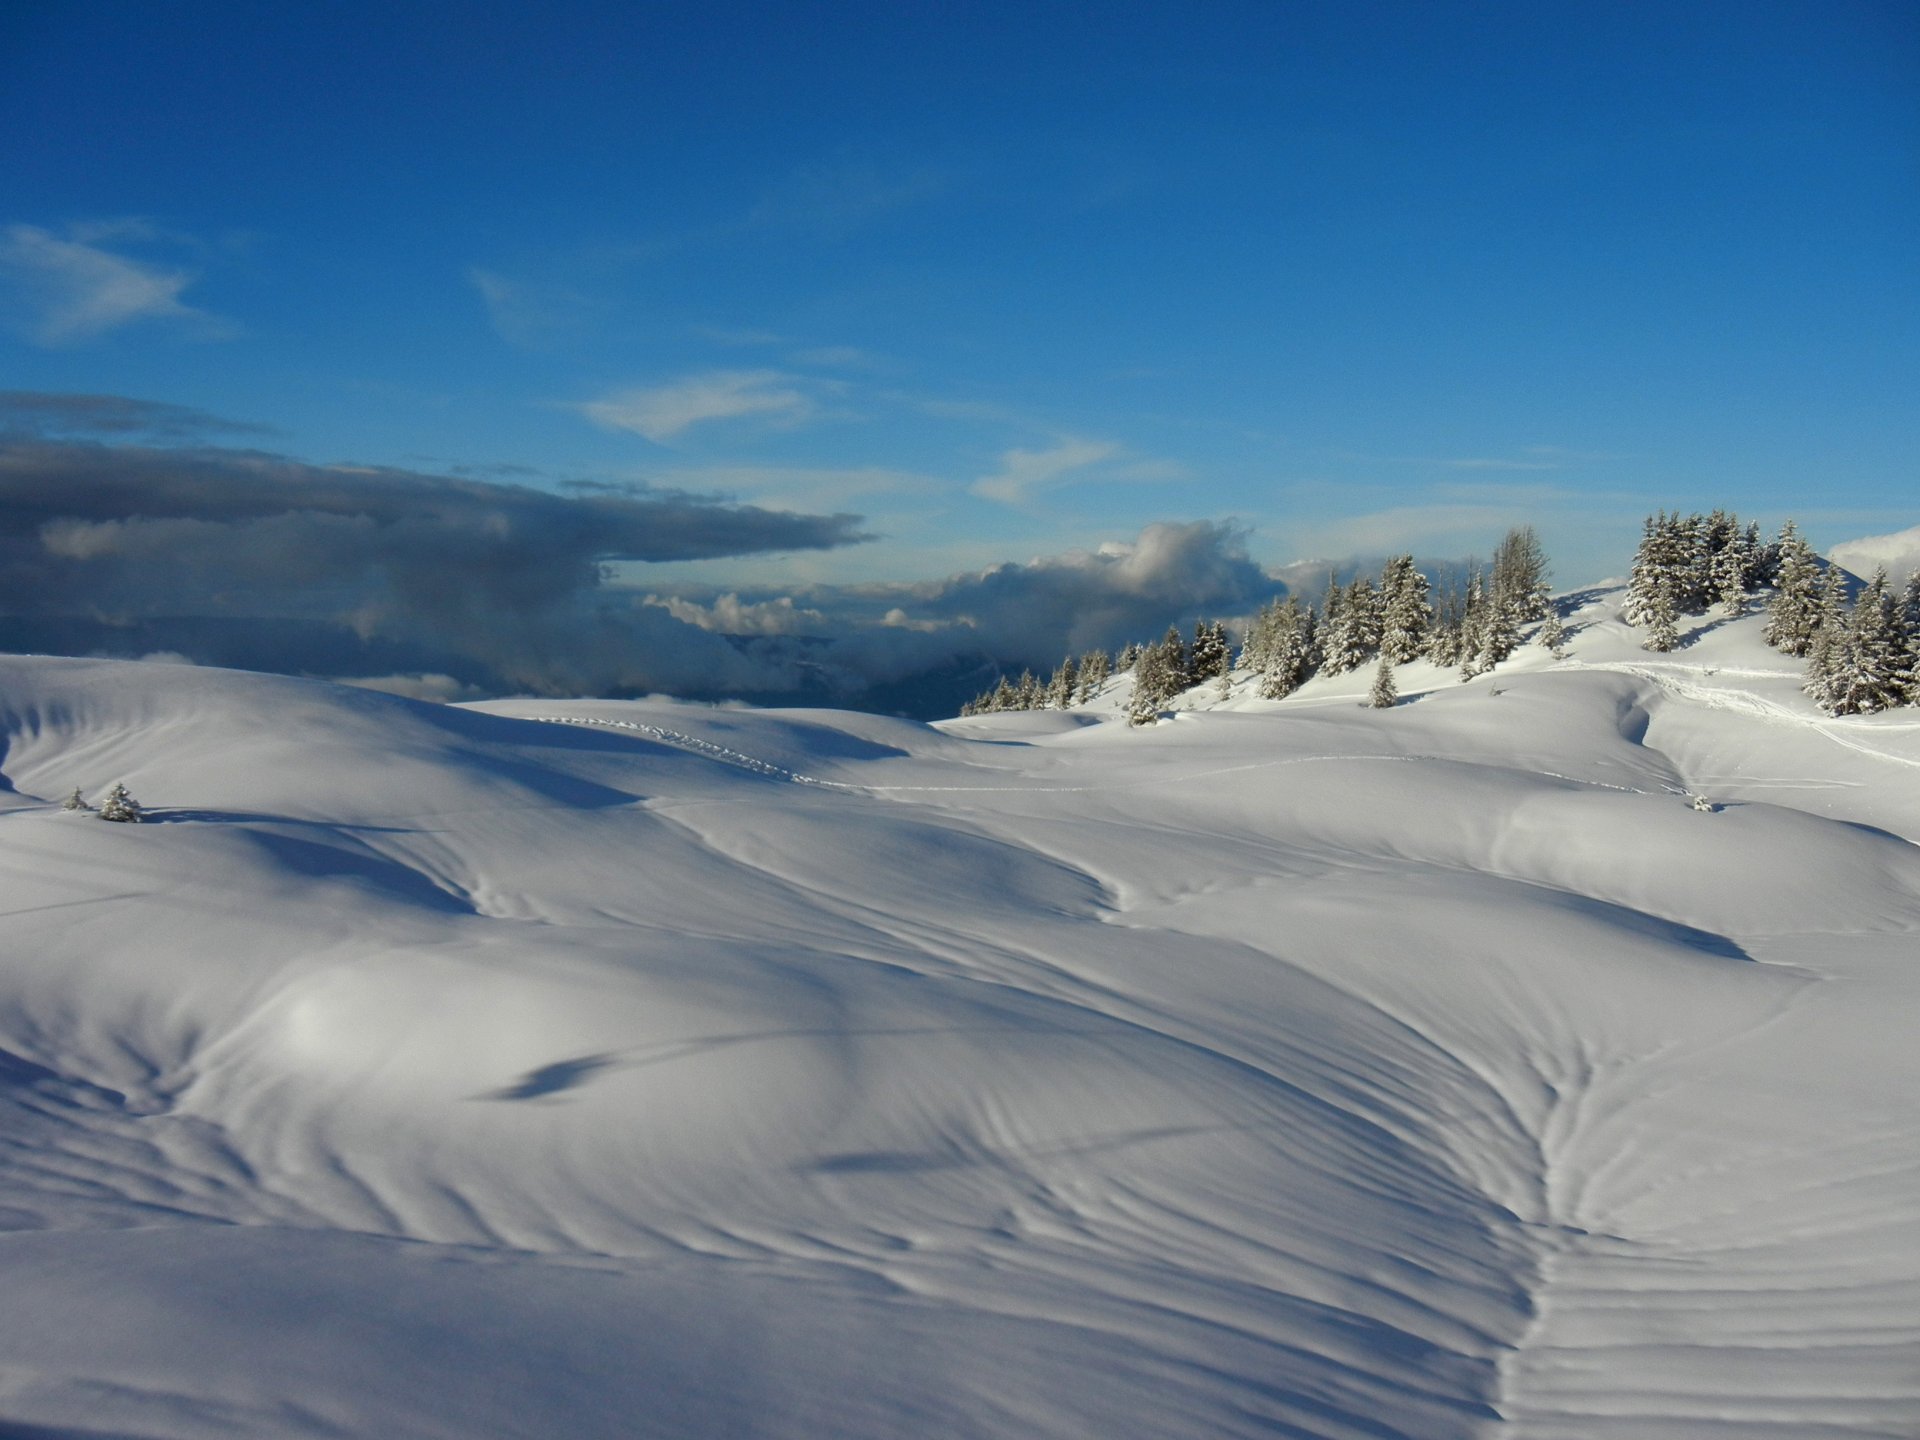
x=1841, y=730
x=727, y=756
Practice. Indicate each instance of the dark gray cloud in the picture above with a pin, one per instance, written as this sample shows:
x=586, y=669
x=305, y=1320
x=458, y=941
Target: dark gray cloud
x=449, y=584
x=508, y=578
x=37, y=413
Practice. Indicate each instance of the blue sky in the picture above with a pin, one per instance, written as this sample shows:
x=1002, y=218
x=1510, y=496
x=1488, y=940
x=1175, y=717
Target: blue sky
x=1004, y=281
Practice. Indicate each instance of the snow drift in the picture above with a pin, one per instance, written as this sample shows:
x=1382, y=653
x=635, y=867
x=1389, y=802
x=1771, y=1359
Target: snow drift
x=1290, y=1068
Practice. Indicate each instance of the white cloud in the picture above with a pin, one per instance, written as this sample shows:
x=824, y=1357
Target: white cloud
x=426, y=686
x=730, y=615
x=661, y=412
x=68, y=289
x=1023, y=471
x=1898, y=554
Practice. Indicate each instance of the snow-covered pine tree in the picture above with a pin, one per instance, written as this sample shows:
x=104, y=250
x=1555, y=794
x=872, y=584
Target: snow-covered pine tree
x=1210, y=650
x=1061, y=688
x=1693, y=547
x=1293, y=653
x=76, y=801
x=1910, y=629
x=1649, y=560
x=1473, y=626
x=1761, y=558
x=1865, y=673
x=1406, y=615
x=1729, y=576
x=1827, y=661
x=1663, y=617
x=1095, y=667
x=1178, y=661
x=1384, y=693
x=1553, y=634
x=1519, y=578
x=1501, y=636
x=1259, y=638
x=120, y=806
x=1793, y=615
x=1351, y=635
x=1443, y=635
x=1153, y=685
x=1124, y=661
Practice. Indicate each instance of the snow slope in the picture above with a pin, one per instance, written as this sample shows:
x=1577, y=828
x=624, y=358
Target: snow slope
x=1283, y=1069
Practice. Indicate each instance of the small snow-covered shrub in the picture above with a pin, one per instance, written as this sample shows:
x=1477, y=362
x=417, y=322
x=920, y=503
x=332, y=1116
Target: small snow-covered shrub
x=121, y=806
x=76, y=801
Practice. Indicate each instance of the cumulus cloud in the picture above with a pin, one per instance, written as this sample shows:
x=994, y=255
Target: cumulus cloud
x=1898, y=554
x=662, y=412
x=1022, y=472
x=67, y=288
x=730, y=615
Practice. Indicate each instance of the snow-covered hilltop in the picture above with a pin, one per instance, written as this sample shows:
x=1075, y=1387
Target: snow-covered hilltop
x=1291, y=1067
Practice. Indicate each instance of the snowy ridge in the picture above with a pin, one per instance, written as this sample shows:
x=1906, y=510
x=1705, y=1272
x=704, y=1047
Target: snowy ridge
x=1295, y=1068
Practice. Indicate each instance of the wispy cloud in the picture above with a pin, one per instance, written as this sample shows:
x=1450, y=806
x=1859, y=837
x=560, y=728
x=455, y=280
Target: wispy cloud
x=660, y=413
x=1527, y=458
x=64, y=289
x=35, y=412
x=844, y=191
x=1022, y=472
x=528, y=314
x=794, y=487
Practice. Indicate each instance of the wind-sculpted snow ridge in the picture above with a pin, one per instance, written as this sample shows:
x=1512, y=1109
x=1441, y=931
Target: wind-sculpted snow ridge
x=1290, y=1069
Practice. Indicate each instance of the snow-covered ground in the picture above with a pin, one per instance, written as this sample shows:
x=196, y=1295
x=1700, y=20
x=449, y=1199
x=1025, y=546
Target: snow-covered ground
x=1288, y=1068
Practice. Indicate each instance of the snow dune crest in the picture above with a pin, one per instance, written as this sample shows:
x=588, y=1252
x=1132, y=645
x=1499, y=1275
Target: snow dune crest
x=1294, y=1068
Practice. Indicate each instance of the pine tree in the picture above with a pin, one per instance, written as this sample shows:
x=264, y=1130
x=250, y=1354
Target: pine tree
x=1153, y=685
x=1209, y=651
x=1178, y=661
x=1473, y=627
x=1910, y=627
x=1827, y=660
x=1519, y=579
x=1730, y=577
x=1443, y=636
x=1640, y=576
x=1553, y=635
x=1292, y=653
x=76, y=801
x=1864, y=673
x=1794, y=613
x=1061, y=688
x=1351, y=634
x=1383, y=694
x=1663, y=632
x=120, y=806
x=1406, y=615
x=1095, y=667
